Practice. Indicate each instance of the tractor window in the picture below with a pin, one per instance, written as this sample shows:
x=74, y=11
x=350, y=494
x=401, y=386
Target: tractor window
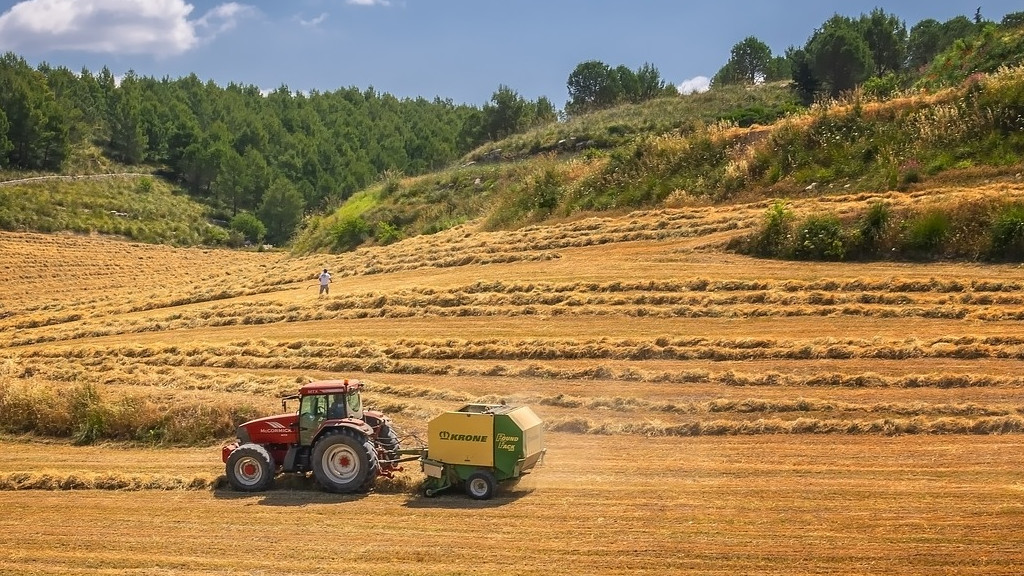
x=355, y=405
x=335, y=406
x=313, y=407
x=312, y=410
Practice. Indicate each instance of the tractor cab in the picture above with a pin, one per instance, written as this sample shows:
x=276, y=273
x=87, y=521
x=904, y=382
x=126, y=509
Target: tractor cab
x=324, y=401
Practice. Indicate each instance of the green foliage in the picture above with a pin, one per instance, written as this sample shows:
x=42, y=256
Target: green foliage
x=882, y=87
x=1007, y=233
x=609, y=128
x=386, y=233
x=392, y=182
x=776, y=230
x=90, y=414
x=886, y=36
x=544, y=193
x=969, y=229
x=749, y=63
x=819, y=238
x=281, y=211
x=979, y=49
x=38, y=125
x=111, y=206
x=348, y=233
x=926, y=233
x=873, y=226
x=506, y=114
x=839, y=55
x=249, y=226
x=1013, y=20
x=594, y=85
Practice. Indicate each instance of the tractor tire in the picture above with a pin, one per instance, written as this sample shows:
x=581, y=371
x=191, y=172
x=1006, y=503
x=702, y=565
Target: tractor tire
x=388, y=440
x=344, y=462
x=481, y=485
x=250, y=468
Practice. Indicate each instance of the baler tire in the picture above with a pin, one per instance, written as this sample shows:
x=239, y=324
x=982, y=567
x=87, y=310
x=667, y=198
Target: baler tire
x=250, y=468
x=356, y=468
x=481, y=485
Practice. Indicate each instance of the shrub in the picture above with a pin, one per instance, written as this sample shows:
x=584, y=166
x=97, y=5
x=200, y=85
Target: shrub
x=348, y=233
x=873, y=225
x=771, y=241
x=926, y=233
x=249, y=226
x=215, y=235
x=392, y=182
x=387, y=233
x=1007, y=233
x=820, y=238
x=544, y=193
x=882, y=87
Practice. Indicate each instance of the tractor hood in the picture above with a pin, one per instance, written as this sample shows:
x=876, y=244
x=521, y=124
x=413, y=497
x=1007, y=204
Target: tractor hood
x=279, y=429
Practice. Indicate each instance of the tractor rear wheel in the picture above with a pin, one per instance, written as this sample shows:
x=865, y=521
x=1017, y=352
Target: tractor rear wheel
x=344, y=461
x=250, y=468
x=389, y=441
x=481, y=485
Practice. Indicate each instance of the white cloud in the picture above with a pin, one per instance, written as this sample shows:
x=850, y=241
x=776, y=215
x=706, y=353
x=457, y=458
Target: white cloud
x=369, y=2
x=223, y=18
x=156, y=27
x=314, y=22
x=696, y=84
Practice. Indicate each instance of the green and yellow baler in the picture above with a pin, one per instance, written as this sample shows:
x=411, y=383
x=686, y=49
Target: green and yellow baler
x=480, y=445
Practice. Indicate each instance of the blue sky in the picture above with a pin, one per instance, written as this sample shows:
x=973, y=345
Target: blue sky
x=461, y=50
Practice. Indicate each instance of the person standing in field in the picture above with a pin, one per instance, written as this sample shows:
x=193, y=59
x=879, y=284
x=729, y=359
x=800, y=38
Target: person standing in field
x=325, y=281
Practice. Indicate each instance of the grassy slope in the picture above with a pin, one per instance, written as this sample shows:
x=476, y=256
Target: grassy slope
x=854, y=145
x=136, y=206
x=676, y=150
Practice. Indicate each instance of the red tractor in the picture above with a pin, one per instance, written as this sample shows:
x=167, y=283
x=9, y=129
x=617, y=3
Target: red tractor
x=331, y=435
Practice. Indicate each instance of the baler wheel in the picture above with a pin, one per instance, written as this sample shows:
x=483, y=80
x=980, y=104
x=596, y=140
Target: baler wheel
x=481, y=485
x=344, y=462
x=250, y=468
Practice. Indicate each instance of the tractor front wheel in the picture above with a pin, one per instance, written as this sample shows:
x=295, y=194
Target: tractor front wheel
x=250, y=468
x=481, y=485
x=345, y=462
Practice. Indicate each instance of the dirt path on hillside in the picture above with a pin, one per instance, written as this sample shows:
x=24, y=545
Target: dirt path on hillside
x=75, y=177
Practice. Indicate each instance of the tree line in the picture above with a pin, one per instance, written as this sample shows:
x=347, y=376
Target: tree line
x=874, y=50
x=275, y=155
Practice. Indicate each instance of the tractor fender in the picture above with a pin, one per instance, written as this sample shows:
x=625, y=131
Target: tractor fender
x=350, y=423
x=226, y=450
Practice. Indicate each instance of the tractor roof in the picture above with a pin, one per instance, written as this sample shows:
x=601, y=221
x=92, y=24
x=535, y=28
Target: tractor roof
x=330, y=386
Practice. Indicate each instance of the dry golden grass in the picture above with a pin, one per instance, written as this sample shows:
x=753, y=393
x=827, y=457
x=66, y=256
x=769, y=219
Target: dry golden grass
x=706, y=412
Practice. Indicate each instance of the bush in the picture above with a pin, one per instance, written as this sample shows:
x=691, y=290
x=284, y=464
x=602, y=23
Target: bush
x=387, y=233
x=392, y=182
x=926, y=233
x=249, y=226
x=349, y=233
x=873, y=225
x=882, y=87
x=543, y=193
x=1007, y=233
x=820, y=238
x=771, y=242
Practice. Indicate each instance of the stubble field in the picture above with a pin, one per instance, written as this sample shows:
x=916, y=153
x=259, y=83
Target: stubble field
x=705, y=412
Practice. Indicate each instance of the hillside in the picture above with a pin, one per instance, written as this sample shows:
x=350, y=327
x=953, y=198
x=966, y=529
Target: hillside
x=858, y=144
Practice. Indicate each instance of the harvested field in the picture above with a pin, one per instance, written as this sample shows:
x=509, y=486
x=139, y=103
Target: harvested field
x=706, y=412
